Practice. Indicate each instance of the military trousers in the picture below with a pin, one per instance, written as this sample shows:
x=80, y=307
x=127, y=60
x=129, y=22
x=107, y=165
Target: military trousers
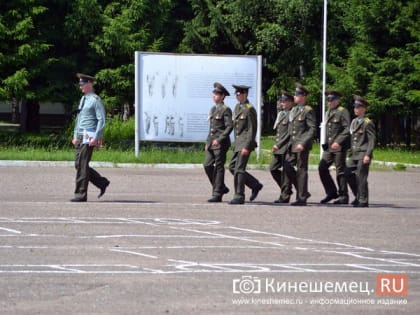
x=296, y=168
x=84, y=173
x=279, y=176
x=339, y=160
x=214, y=166
x=357, y=174
x=241, y=177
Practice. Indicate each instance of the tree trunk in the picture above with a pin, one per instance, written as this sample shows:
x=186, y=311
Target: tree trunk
x=29, y=120
x=416, y=131
x=15, y=110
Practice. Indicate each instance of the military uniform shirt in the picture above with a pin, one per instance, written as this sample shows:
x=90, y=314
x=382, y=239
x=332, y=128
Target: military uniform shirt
x=282, y=134
x=338, y=128
x=363, y=138
x=91, y=116
x=302, y=126
x=220, y=124
x=245, y=126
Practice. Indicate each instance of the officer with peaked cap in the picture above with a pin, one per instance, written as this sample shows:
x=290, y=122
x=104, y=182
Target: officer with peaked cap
x=302, y=130
x=363, y=138
x=245, y=125
x=88, y=131
x=335, y=149
x=218, y=142
x=284, y=105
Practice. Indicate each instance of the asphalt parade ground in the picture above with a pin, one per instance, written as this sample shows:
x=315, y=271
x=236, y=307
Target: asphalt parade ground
x=153, y=245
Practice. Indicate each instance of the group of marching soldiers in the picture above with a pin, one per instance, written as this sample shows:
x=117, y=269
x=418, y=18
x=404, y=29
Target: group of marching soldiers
x=348, y=146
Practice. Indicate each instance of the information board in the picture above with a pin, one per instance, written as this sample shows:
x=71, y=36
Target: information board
x=173, y=92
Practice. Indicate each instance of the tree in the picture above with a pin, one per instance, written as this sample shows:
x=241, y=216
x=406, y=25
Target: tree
x=383, y=61
x=128, y=26
x=23, y=51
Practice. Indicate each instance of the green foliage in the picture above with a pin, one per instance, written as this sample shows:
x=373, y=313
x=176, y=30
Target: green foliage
x=44, y=141
x=21, y=47
x=383, y=55
x=127, y=26
x=118, y=133
x=399, y=167
x=373, y=46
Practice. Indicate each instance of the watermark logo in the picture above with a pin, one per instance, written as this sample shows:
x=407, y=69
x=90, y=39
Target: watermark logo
x=392, y=285
x=247, y=285
x=390, y=290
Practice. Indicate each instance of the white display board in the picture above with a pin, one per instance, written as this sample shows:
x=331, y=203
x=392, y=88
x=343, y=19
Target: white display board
x=173, y=92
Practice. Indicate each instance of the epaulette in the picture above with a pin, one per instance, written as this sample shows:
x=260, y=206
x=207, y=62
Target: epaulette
x=248, y=105
x=367, y=120
x=340, y=108
x=224, y=106
x=307, y=107
x=95, y=96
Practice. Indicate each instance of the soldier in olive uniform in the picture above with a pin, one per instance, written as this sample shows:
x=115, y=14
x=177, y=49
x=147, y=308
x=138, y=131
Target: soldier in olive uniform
x=335, y=150
x=363, y=137
x=88, y=130
x=284, y=105
x=245, y=126
x=218, y=142
x=302, y=130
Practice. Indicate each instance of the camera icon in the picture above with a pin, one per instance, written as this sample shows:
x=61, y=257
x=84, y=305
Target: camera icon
x=247, y=285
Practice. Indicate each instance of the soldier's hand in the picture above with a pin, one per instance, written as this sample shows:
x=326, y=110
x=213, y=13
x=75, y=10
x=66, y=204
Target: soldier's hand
x=275, y=148
x=215, y=143
x=300, y=148
x=366, y=159
x=244, y=152
x=335, y=146
x=93, y=142
x=73, y=141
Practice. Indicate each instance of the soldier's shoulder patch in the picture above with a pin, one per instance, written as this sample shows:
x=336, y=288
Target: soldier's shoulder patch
x=307, y=107
x=340, y=108
x=367, y=120
x=225, y=106
x=248, y=105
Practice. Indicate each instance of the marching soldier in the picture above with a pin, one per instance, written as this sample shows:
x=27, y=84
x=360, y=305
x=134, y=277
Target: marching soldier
x=245, y=126
x=335, y=150
x=362, y=135
x=88, y=130
x=284, y=105
x=302, y=130
x=218, y=142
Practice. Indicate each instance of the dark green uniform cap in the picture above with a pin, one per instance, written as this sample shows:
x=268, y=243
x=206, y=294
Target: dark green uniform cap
x=219, y=88
x=285, y=96
x=333, y=93
x=359, y=101
x=241, y=88
x=301, y=90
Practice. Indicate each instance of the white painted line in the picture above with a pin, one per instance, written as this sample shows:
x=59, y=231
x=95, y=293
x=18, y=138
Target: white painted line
x=23, y=247
x=358, y=266
x=183, y=267
x=10, y=230
x=204, y=247
x=400, y=263
x=133, y=253
x=301, y=239
x=151, y=236
x=60, y=267
x=399, y=253
x=110, y=220
x=219, y=235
